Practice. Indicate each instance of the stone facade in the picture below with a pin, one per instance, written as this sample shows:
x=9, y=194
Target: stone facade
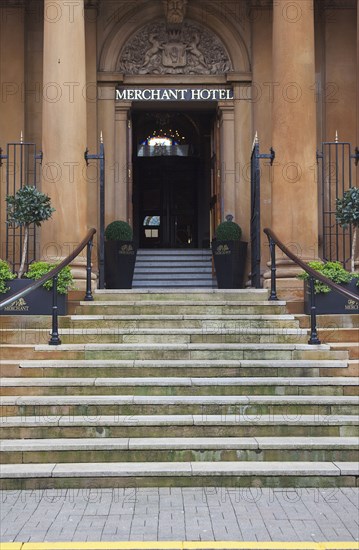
x=293, y=67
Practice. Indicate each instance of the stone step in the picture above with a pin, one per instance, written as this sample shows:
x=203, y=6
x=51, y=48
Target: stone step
x=176, y=322
x=217, y=307
x=331, y=321
x=158, y=252
x=351, y=347
x=161, y=351
x=194, y=295
x=180, y=386
x=145, y=283
x=351, y=370
x=45, y=405
x=160, y=335
x=156, y=474
x=207, y=368
x=293, y=449
x=163, y=268
x=186, y=426
x=180, y=274
x=339, y=335
x=151, y=321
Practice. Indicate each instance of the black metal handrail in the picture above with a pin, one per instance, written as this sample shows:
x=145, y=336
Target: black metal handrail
x=313, y=276
x=53, y=274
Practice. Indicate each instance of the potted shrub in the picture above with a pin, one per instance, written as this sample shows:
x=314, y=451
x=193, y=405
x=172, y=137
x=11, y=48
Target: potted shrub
x=347, y=213
x=39, y=302
x=229, y=254
x=326, y=300
x=120, y=255
x=29, y=206
x=26, y=207
x=6, y=275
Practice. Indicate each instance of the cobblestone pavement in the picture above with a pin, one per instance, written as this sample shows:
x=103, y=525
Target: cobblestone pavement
x=180, y=514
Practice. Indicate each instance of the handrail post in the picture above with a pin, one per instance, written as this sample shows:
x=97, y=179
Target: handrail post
x=55, y=339
x=273, y=290
x=313, y=340
x=88, y=295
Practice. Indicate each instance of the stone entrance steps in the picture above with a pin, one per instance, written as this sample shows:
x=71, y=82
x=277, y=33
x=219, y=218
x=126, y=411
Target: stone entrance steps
x=229, y=393
x=173, y=269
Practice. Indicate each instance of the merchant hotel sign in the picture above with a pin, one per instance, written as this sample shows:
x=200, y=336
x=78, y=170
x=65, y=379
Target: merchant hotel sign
x=173, y=94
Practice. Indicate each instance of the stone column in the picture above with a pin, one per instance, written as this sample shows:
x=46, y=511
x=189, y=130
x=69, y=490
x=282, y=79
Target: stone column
x=124, y=172
x=12, y=118
x=357, y=142
x=64, y=128
x=294, y=190
x=228, y=172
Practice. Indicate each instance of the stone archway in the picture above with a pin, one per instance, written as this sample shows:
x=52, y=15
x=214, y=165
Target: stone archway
x=231, y=42
x=208, y=53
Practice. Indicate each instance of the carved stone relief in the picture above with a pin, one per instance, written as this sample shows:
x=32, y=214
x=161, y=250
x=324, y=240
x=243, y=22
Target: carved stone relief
x=155, y=49
x=175, y=11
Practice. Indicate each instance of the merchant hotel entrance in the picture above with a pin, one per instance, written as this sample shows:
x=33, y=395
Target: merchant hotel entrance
x=179, y=89
x=174, y=117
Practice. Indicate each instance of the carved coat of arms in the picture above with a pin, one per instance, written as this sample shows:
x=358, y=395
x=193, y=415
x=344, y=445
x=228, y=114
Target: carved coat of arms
x=174, y=54
x=155, y=49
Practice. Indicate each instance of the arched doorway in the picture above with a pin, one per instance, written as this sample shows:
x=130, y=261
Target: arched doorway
x=172, y=177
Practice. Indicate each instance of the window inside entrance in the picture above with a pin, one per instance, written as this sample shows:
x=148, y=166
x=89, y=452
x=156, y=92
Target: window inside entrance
x=172, y=178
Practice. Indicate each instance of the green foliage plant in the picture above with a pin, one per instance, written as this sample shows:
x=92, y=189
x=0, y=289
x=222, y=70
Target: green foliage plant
x=228, y=230
x=65, y=280
x=333, y=271
x=26, y=207
x=5, y=275
x=347, y=213
x=119, y=231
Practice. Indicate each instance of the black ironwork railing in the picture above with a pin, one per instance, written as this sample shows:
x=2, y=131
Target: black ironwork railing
x=53, y=274
x=22, y=168
x=256, y=210
x=313, y=276
x=336, y=174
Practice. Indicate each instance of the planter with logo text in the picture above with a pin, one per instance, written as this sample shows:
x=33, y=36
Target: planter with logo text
x=332, y=302
x=120, y=258
x=38, y=302
x=229, y=261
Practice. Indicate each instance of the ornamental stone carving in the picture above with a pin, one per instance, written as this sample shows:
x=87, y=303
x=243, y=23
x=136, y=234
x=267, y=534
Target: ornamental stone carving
x=155, y=49
x=175, y=11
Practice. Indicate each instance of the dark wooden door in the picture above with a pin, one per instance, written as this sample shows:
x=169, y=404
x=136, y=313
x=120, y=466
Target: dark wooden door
x=167, y=202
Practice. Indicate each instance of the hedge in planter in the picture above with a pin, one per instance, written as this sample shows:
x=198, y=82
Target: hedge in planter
x=328, y=301
x=120, y=255
x=229, y=254
x=39, y=302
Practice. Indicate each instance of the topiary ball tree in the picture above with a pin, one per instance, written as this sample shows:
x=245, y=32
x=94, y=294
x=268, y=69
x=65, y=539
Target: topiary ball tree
x=26, y=207
x=119, y=231
x=228, y=230
x=347, y=213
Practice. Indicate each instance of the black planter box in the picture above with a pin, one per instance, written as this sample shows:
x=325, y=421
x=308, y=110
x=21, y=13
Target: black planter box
x=230, y=262
x=332, y=302
x=38, y=302
x=120, y=259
